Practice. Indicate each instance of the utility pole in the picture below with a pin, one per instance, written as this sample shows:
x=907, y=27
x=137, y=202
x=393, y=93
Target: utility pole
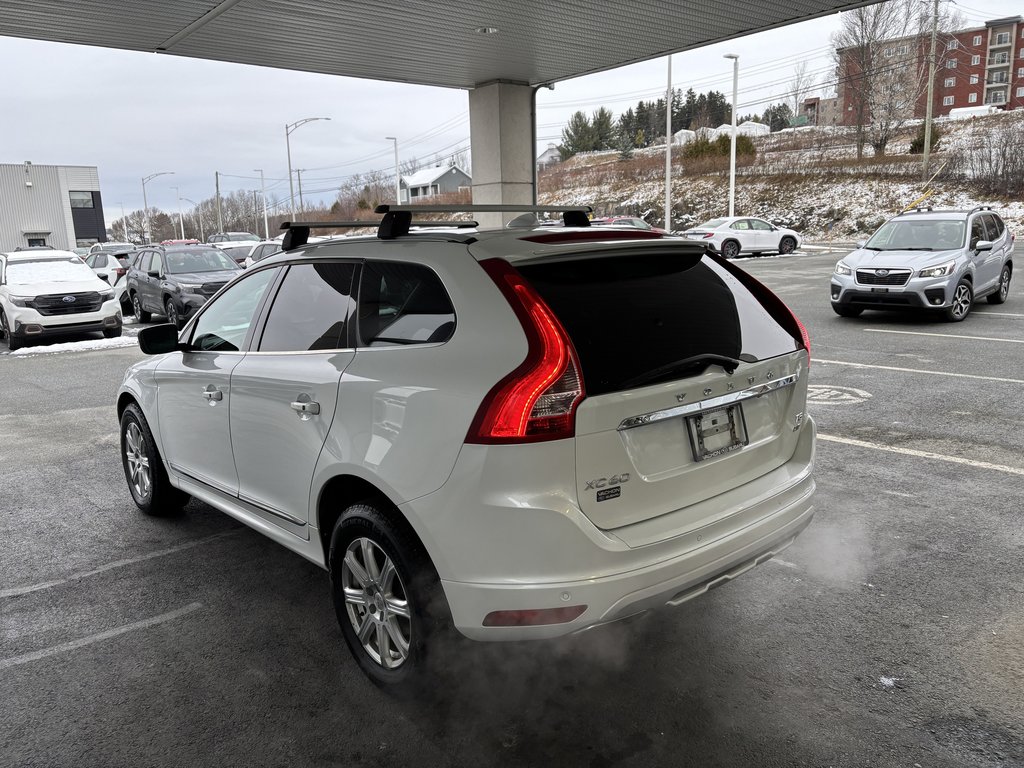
x=931, y=94
x=668, y=148
x=181, y=217
x=145, y=202
x=302, y=207
x=263, y=193
x=398, y=179
x=732, y=146
x=220, y=221
x=124, y=220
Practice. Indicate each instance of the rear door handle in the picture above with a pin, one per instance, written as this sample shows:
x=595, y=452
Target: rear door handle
x=306, y=407
x=213, y=394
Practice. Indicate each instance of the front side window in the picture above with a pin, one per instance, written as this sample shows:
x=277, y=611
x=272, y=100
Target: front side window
x=312, y=309
x=401, y=304
x=978, y=231
x=145, y=260
x=157, y=265
x=225, y=321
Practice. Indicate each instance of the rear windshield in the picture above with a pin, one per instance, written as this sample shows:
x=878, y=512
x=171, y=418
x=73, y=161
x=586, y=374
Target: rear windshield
x=633, y=318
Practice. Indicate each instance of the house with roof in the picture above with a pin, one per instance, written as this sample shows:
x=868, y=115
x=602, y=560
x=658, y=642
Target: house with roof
x=437, y=180
x=550, y=156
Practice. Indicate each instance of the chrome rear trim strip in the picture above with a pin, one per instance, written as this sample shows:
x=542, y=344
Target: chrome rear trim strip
x=710, y=404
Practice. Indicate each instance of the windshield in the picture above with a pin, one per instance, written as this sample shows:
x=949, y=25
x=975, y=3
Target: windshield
x=238, y=251
x=49, y=271
x=204, y=260
x=918, y=234
x=712, y=224
x=241, y=236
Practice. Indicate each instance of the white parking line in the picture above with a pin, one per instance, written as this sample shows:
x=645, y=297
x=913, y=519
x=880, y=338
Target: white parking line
x=923, y=454
x=919, y=370
x=14, y=661
x=15, y=591
x=996, y=314
x=945, y=335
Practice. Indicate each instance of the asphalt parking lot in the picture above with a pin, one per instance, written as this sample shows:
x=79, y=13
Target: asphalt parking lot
x=890, y=634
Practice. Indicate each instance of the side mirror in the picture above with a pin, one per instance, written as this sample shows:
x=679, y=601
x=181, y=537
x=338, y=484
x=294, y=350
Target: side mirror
x=861, y=243
x=160, y=339
x=153, y=274
x=983, y=245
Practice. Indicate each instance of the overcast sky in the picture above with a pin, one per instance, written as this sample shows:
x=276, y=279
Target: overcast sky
x=133, y=114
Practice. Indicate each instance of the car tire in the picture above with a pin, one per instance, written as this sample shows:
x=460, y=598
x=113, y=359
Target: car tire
x=730, y=249
x=148, y=483
x=1003, y=291
x=172, y=314
x=847, y=311
x=787, y=245
x=387, y=597
x=12, y=343
x=141, y=315
x=112, y=333
x=963, y=298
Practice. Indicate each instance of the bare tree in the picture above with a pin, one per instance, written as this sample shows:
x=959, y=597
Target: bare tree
x=802, y=85
x=881, y=54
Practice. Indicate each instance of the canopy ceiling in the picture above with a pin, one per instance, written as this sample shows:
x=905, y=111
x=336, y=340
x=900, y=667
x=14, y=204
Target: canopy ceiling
x=431, y=42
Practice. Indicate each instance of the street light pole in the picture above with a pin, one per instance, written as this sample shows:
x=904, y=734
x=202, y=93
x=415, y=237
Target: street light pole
x=398, y=179
x=288, y=129
x=181, y=218
x=216, y=182
x=263, y=193
x=145, y=203
x=302, y=205
x=732, y=146
x=931, y=97
x=124, y=221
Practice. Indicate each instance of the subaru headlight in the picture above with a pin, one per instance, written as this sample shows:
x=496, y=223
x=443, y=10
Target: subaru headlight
x=939, y=271
x=842, y=269
x=21, y=301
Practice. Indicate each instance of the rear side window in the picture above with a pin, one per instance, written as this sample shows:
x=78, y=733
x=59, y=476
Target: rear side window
x=634, y=315
x=312, y=310
x=403, y=304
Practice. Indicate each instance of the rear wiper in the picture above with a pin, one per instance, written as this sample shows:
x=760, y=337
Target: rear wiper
x=730, y=364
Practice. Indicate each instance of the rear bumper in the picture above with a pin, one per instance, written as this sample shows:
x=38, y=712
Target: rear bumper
x=615, y=581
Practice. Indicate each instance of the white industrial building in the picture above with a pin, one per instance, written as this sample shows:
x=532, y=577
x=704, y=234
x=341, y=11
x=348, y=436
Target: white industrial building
x=55, y=205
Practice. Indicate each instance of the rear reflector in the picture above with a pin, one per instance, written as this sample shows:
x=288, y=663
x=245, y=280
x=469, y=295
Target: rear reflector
x=538, y=400
x=534, y=617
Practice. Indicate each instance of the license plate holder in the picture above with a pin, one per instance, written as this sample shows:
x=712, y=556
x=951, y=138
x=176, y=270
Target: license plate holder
x=876, y=289
x=717, y=432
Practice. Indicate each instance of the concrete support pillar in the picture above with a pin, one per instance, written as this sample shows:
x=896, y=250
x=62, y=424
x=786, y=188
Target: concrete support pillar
x=501, y=146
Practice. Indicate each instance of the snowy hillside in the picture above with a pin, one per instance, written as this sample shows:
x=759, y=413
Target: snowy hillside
x=808, y=179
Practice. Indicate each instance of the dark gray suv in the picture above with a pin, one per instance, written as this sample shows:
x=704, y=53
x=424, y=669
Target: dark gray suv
x=941, y=260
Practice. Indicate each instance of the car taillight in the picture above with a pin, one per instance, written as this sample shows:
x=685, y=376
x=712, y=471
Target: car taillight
x=538, y=400
x=709, y=235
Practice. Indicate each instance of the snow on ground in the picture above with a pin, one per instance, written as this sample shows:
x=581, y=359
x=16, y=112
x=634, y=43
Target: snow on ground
x=86, y=345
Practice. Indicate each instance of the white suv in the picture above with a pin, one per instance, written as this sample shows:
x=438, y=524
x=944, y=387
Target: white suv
x=47, y=293
x=515, y=433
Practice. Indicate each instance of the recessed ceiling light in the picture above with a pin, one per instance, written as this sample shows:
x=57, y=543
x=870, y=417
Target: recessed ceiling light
x=487, y=30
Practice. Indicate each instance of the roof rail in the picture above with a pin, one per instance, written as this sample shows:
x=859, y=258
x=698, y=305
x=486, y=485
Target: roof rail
x=977, y=208
x=297, y=232
x=572, y=215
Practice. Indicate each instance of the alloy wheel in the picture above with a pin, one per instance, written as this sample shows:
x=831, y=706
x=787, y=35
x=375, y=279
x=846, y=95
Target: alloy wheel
x=138, y=462
x=376, y=603
x=730, y=250
x=137, y=306
x=961, y=301
x=172, y=313
x=1004, y=285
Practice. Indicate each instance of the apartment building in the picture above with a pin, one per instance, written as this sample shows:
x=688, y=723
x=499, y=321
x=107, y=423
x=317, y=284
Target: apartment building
x=975, y=67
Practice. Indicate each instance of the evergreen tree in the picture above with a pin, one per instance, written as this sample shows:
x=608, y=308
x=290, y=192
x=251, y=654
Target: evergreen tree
x=577, y=136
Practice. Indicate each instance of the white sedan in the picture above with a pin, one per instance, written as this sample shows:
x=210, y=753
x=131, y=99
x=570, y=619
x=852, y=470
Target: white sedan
x=734, y=235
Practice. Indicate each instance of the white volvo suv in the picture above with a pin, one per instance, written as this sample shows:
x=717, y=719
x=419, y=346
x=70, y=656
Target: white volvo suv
x=514, y=433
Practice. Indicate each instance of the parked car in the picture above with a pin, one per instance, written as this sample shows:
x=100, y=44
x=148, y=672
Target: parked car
x=236, y=251
x=186, y=241
x=52, y=292
x=176, y=281
x=81, y=251
x=734, y=235
x=111, y=247
x=233, y=237
x=443, y=422
x=261, y=250
x=628, y=221
x=108, y=266
x=938, y=260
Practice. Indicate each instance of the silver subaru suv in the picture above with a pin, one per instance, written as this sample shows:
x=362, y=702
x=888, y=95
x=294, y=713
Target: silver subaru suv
x=940, y=260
